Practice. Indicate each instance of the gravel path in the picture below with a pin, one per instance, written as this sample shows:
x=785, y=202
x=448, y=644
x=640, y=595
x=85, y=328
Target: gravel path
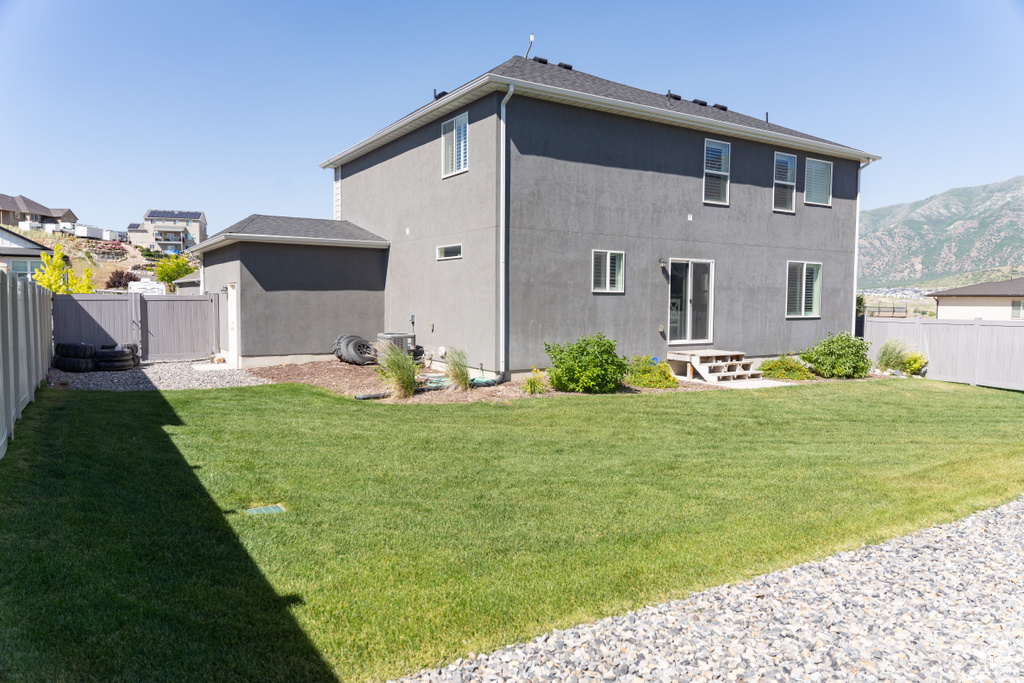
x=941, y=604
x=155, y=375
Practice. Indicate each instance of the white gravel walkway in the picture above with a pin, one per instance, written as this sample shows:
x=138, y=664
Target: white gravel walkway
x=943, y=604
x=155, y=375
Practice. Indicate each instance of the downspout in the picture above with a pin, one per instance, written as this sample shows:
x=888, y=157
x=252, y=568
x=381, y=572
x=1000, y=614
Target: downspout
x=502, y=248
x=856, y=250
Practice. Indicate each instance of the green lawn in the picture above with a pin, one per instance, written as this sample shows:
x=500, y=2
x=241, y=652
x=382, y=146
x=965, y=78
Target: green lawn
x=416, y=534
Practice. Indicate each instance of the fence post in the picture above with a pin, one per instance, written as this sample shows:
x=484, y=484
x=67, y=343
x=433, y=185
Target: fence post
x=4, y=427
x=977, y=350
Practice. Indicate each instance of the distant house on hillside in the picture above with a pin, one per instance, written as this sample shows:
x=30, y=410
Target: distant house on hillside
x=986, y=300
x=169, y=231
x=17, y=210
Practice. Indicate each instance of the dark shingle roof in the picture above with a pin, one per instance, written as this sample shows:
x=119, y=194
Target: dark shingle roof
x=158, y=213
x=191, y=277
x=23, y=204
x=1013, y=287
x=578, y=81
x=288, y=226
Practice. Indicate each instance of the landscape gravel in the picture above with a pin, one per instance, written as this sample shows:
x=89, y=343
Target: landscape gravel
x=154, y=375
x=943, y=604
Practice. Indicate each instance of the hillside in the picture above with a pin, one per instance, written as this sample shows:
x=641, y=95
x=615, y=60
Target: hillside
x=959, y=231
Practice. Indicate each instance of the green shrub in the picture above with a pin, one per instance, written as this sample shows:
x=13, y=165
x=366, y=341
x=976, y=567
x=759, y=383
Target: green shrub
x=891, y=355
x=842, y=356
x=914, y=363
x=647, y=372
x=397, y=369
x=785, y=367
x=587, y=365
x=535, y=383
x=861, y=307
x=456, y=369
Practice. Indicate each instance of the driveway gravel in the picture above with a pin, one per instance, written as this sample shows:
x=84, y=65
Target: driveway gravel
x=154, y=375
x=943, y=604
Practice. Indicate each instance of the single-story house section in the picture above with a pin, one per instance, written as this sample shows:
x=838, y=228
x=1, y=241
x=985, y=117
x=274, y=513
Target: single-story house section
x=289, y=286
x=20, y=254
x=986, y=300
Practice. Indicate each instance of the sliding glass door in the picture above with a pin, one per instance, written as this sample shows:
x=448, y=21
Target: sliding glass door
x=690, y=301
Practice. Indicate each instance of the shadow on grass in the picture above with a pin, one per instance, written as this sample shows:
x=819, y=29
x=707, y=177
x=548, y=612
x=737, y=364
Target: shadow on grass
x=115, y=563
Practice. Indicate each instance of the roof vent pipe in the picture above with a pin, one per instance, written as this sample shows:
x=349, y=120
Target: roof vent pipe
x=673, y=96
x=439, y=95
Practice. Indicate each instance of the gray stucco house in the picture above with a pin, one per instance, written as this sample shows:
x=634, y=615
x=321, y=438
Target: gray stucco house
x=538, y=203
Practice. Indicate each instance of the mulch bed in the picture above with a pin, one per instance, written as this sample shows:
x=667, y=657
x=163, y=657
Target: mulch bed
x=355, y=380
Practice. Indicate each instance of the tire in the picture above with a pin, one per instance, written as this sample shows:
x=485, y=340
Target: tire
x=360, y=352
x=75, y=350
x=340, y=342
x=136, y=360
x=417, y=353
x=112, y=355
x=74, y=364
x=116, y=364
x=133, y=347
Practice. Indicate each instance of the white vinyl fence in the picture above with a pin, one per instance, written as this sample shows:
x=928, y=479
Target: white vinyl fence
x=988, y=353
x=26, y=348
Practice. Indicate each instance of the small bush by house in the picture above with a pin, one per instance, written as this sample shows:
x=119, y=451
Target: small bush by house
x=785, y=367
x=840, y=356
x=588, y=365
x=647, y=372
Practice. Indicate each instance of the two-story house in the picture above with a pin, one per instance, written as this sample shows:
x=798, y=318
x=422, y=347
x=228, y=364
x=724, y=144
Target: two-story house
x=28, y=214
x=169, y=231
x=537, y=204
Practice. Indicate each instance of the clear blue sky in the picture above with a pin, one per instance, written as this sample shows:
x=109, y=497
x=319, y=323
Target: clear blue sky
x=112, y=108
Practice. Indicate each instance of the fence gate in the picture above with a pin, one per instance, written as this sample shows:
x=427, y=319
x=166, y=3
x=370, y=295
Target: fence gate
x=166, y=327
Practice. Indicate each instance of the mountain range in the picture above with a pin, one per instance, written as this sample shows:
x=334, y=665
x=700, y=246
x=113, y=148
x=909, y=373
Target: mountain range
x=962, y=230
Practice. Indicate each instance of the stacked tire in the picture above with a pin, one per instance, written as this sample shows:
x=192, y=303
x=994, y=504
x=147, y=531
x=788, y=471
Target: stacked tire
x=352, y=348
x=74, y=357
x=111, y=358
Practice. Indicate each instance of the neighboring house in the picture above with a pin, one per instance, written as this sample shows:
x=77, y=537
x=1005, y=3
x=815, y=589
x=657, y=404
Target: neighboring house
x=21, y=255
x=538, y=203
x=17, y=210
x=987, y=300
x=188, y=284
x=169, y=231
x=289, y=286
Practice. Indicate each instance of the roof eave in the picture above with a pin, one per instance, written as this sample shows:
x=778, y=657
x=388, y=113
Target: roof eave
x=490, y=82
x=224, y=240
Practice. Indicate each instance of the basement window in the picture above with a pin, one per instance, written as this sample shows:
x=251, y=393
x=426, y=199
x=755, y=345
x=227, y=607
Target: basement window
x=451, y=251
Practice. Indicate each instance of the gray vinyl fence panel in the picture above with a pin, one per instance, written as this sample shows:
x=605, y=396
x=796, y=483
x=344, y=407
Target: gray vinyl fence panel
x=166, y=327
x=26, y=348
x=984, y=352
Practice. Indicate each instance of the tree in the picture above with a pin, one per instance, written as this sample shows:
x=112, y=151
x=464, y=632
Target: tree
x=120, y=278
x=57, y=276
x=171, y=268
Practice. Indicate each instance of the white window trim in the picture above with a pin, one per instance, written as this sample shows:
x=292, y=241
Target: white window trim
x=803, y=280
x=608, y=271
x=831, y=176
x=448, y=246
x=711, y=305
x=728, y=174
x=455, y=125
x=776, y=181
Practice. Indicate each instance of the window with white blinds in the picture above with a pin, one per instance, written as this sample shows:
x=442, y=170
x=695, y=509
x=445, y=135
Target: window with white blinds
x=455, y=134
x=716, y=172
x=803, y=290
x=784, y=194
x=818, y=183
x=1017, y=310
x=607, y=271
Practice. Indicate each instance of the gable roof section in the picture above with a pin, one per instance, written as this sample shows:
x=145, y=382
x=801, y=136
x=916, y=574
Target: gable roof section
x=292, y=230
x=557, y=84
x=188, y=215
x=22, y=246
x=1013, y=287
x=23, y=204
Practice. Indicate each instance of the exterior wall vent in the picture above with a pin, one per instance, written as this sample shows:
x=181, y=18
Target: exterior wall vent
x=720, y=106
x=540, y=60
x=701, y=103
x=567, y=67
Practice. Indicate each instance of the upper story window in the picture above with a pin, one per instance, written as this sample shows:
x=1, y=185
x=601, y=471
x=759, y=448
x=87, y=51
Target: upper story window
x=188, y=224
x=818, y=183
x=455, y=134
x=784, y=194
x=608, y=271
x=716, y=172
x=803, y=290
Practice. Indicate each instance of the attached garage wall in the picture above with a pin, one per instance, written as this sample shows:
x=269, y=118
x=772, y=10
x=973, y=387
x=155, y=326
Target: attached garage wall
x=295, y=299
